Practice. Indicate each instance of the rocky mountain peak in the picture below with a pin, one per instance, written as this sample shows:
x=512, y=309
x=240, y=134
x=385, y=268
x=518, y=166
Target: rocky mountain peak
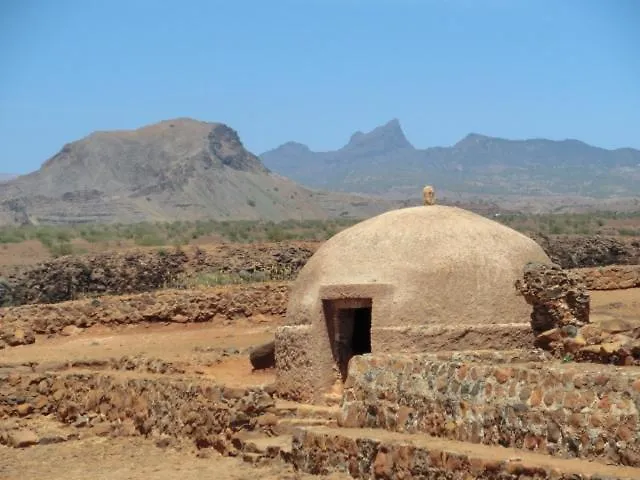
x=386, y=137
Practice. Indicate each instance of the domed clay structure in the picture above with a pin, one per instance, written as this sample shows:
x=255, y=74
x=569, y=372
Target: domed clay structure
x=376, y=286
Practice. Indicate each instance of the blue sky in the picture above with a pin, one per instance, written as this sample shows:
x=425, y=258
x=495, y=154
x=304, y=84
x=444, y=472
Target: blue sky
x=314, y=71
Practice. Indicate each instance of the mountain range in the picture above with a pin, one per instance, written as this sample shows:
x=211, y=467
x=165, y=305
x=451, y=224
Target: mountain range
x=176, y=169
x=384, y=162
x=188, y=169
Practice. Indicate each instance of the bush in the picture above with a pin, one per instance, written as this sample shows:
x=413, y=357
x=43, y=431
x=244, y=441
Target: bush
x=61, y=249
x=149, y=240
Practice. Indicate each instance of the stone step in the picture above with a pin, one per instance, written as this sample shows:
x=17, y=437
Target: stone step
x=368, y=453
x=288, y=425
x=258, y=449
x=332, y=399
x=286, y=409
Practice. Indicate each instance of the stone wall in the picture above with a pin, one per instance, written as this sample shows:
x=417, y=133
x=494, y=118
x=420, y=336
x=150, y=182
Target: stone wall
x=215, y=304
x=434, y=338
x=577, y=251
x=366, y=454
x=294, y=366
x=204, y=412
x=613, y=277
x=143, y=270
x=561, y=409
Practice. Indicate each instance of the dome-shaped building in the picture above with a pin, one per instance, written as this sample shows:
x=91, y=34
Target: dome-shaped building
x=379, y=285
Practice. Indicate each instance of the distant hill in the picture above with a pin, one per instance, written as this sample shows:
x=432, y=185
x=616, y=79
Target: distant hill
x=176, y=169
x=4, y=177
x=383, y=161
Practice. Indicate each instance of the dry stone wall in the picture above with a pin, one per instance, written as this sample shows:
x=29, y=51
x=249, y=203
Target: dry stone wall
x=612, y=277
x=578, y=251
x=559, y=298
x=561, y=409
x=118, y=273
x=368, y=455
x=223, y=304
x=208, y=413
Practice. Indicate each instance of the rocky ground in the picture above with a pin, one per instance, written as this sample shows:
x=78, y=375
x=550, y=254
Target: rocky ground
x=46, y=404
x=124, y=378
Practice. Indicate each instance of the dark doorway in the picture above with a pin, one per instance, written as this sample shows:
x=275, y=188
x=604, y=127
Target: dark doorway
x=352, y=335
x=361, y=338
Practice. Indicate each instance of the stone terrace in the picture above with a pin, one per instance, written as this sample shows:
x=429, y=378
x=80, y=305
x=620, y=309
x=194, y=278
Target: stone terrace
x=561, y=409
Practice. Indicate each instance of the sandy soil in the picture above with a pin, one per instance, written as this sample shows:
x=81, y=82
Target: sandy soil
x=101, y=458
x=624, y=304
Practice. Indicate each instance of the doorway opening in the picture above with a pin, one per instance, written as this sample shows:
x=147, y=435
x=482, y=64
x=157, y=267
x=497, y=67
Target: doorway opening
x=361, y=337
x=349, y=330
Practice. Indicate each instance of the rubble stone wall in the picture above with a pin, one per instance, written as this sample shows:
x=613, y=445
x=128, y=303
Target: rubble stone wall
x=294, y=365
x=144, y=270
x=215, y=304
x=612, y=277
x=560, y=409
x=365, y=455
x=200, y=411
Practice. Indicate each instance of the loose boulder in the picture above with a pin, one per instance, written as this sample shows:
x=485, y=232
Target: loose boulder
x=263, y=356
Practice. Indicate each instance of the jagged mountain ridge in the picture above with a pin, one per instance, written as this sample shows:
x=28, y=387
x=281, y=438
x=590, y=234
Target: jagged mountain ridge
x=174, y=169
x=383, y=161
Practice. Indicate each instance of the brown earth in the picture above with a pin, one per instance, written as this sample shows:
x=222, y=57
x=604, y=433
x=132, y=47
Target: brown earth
x=133, y=458
x=167, y=353
x=173, y=353
x=164, y=343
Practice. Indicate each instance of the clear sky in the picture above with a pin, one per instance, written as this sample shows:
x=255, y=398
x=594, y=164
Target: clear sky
x=315, y=71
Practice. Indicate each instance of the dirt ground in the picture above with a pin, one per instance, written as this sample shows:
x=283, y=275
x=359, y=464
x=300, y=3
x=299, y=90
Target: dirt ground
x=217, y=352
x=196, y=344
x=623, y=304
x=134, y=458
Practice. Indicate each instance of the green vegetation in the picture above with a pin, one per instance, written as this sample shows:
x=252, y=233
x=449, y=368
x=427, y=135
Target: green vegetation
x=66, y=240
x=572, y=223
x=60, y=239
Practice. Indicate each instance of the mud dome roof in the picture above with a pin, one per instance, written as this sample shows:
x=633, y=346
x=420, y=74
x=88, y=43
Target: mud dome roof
x=437, y=265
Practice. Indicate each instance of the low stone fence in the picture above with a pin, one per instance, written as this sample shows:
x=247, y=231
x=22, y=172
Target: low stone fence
x=568, y=410
x=204, y=412
x=367, y=454
x=213, y=304
x=613, y=277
